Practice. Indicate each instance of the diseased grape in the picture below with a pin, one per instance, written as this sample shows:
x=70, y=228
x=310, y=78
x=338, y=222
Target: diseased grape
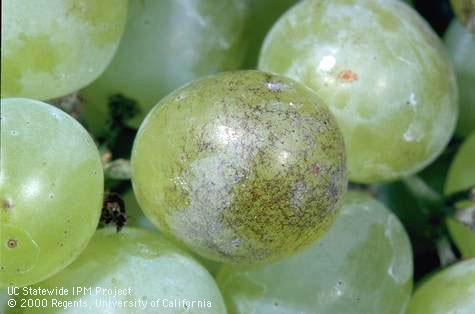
x=242, y=167
x=383, y=73
x=461, y=46
x=448, y=291
x=152, y=268
x=51, y=186
x=166, y=44
x=51, y=48
x=362, y=265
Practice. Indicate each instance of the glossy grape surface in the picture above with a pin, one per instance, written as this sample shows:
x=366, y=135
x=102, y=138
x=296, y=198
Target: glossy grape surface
x=448, y=291
x=150, y=266
x=393, y=91
x=242, y=167
x=166, y=44
x=461, y=46
x=362, y=265
x=51, y=186
x=53, y=47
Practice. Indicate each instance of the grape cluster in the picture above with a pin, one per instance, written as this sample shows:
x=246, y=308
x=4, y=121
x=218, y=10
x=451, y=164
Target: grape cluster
x=237, y=156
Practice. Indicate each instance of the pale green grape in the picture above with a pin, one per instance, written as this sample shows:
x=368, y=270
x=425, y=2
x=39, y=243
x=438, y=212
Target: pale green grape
x=383, y=73
x=465, y=11
x=166, y=44
x=242, y=167
x=51, y=185
x=461, y=45
x=461, y=175
x=448, y=291
x=152, y=268
x=363, y=265
x=53, y=47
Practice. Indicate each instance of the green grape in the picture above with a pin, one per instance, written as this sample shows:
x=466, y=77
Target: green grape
x=461, y=46
x=362, y=265
x=241, y=167
x=166, y=44
x=51, y=185
x=461, y=174
x=143, y=265
x=135, y=215
x=448, y=291
x=462, y=234
x=51, y=48
x=465, y=11
x=393, y=91
x=262, y=14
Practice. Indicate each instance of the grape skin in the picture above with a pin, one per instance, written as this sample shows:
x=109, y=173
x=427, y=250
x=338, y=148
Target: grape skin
x=448, y=291
x=363, y=264
x=392, y=91
x=242, y=167
x=145, y=262
x=461, y=46
x=51, y=48
x=166, y=44
x=51, y=186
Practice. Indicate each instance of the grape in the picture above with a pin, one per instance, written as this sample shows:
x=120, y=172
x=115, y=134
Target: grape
x=362, y=265
x=242, y=167
x=150, y=266
x=461, y=45
x=393, y=91
x=51, y=48
x=448, y=291
x=51, y=185
x=166, y=44
x=465, y=11
x=461, y=174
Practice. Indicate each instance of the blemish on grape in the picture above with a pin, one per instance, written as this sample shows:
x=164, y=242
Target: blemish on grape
x=12, y=243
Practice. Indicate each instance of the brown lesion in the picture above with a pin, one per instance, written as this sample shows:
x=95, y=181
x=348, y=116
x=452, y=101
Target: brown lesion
x=12, y=243
x=316, y=168
x=348, y=76
x=7, y=204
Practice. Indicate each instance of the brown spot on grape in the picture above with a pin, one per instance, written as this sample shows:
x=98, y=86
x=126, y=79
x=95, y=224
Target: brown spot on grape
x=12, y=243
x=316, y=168
x=348, y=76
x=7, y=204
